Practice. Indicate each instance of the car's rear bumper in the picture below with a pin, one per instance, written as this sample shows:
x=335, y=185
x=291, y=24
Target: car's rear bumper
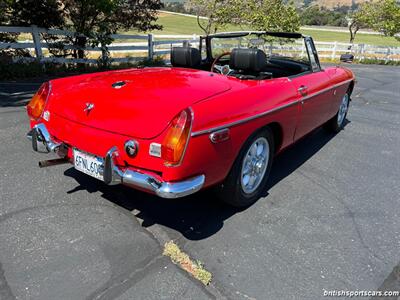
x=112, y=174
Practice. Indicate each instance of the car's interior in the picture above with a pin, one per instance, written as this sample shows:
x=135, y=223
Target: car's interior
x=243, y=63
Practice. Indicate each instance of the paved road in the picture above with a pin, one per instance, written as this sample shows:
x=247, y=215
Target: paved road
x=329, y=222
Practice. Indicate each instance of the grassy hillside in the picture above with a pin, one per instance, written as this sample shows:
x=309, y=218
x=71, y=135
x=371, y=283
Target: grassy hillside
x=174, y=24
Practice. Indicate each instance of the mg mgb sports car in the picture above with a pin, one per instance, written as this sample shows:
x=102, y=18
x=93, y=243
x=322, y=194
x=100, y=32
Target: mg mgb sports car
x=215, y=117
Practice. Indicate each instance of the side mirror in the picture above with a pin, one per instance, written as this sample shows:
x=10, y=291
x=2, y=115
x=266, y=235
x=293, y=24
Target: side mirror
x=348, y=58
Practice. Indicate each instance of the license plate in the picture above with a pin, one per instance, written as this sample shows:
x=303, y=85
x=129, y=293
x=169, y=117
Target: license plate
x=88, y=164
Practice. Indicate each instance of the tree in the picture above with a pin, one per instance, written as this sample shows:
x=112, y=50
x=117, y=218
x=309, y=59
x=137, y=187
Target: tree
x=6, y=18
x=95, y=19
x=387, y=18
x=213, y=15
x=44, y=13
x=273, y=15
x=98, y=19
x=361, y=18
x=382, y=16
x=4, y=11
x=315, y=15
x=175, y=7
x=87, y=16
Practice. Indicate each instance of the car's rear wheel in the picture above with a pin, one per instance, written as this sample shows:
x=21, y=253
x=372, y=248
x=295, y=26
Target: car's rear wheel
x=247, y=179
x=337, y=122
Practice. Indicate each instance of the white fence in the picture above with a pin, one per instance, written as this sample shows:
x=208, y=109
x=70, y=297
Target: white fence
x=360, y=51
x=148, y=46
x=144, y=46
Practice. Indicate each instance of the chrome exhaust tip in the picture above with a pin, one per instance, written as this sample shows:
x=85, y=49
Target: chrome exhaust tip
x=52, y=162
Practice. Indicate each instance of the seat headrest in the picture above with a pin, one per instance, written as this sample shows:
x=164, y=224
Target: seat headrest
x=247, y=59
x=186, y=57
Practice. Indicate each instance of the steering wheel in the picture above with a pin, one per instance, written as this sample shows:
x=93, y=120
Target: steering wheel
x=224, y=70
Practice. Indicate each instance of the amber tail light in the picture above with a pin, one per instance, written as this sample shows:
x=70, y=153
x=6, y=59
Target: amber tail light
x=36, y=106
x=174, y=144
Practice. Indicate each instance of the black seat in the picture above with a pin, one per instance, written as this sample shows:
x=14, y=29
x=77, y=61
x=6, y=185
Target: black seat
x=249, y=60
x=185, y=57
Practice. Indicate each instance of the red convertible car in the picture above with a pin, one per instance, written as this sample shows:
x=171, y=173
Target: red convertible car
x=216, y=117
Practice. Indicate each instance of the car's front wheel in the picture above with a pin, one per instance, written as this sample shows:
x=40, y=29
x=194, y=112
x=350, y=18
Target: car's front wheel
x=247, y=179
x=338, y=121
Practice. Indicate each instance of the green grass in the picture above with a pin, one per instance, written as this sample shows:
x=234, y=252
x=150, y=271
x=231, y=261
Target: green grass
x=174, y=24
x=371, y=39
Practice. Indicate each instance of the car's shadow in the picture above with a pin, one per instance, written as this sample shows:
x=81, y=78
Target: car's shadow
x=17, y=94
x=200, y=215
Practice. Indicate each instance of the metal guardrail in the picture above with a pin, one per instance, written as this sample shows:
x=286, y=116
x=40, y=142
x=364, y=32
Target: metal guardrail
x=150, y=45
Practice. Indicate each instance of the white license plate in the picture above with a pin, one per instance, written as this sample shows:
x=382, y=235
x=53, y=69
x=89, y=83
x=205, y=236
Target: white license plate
x=88, y=164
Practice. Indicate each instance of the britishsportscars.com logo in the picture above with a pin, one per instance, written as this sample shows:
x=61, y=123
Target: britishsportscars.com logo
x=360, y=293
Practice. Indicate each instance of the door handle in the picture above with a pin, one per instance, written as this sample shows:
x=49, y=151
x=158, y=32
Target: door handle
x=302, y=90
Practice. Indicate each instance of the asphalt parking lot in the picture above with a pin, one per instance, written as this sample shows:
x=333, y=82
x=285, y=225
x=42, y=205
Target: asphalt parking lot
x=330, y=221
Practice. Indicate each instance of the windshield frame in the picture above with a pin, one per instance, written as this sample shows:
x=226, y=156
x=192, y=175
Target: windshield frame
x=259, y=34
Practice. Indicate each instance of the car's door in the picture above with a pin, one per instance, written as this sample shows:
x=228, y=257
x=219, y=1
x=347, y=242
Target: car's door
x=313, y=93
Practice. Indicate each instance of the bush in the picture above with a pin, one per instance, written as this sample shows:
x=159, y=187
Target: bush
x=374, y=61
x=366, y=61
x=315, y=15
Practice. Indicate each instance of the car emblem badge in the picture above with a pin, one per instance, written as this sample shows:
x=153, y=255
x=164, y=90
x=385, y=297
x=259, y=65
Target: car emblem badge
x=89, y=107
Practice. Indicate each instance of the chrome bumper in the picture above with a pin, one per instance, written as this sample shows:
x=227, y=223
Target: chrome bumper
x=112, y=174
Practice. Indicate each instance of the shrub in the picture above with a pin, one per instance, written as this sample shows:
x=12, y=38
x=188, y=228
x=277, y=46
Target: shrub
x=21, y=70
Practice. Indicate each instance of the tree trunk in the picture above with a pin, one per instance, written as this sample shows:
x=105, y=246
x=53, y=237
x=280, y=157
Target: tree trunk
x=353, y=28
x=199, y=23
x=81, y=42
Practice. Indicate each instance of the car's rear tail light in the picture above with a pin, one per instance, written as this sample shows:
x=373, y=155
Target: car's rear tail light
x=176, y=139
x=36, y=106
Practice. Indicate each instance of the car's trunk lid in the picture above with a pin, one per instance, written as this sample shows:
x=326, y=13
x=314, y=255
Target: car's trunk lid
x=140, y=104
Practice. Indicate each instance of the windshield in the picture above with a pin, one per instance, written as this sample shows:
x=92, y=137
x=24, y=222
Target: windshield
x=282, y=48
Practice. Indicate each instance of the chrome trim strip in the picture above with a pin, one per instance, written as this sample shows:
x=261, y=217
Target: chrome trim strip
x=325, y=90
x=197, y=133
x=206, y=131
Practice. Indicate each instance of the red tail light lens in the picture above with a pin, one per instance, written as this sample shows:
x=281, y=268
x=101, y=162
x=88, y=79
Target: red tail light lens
x=176, y=139
x=36, y=106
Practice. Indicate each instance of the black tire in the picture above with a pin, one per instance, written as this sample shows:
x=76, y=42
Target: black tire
x=231, y=191
x=335, y=125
